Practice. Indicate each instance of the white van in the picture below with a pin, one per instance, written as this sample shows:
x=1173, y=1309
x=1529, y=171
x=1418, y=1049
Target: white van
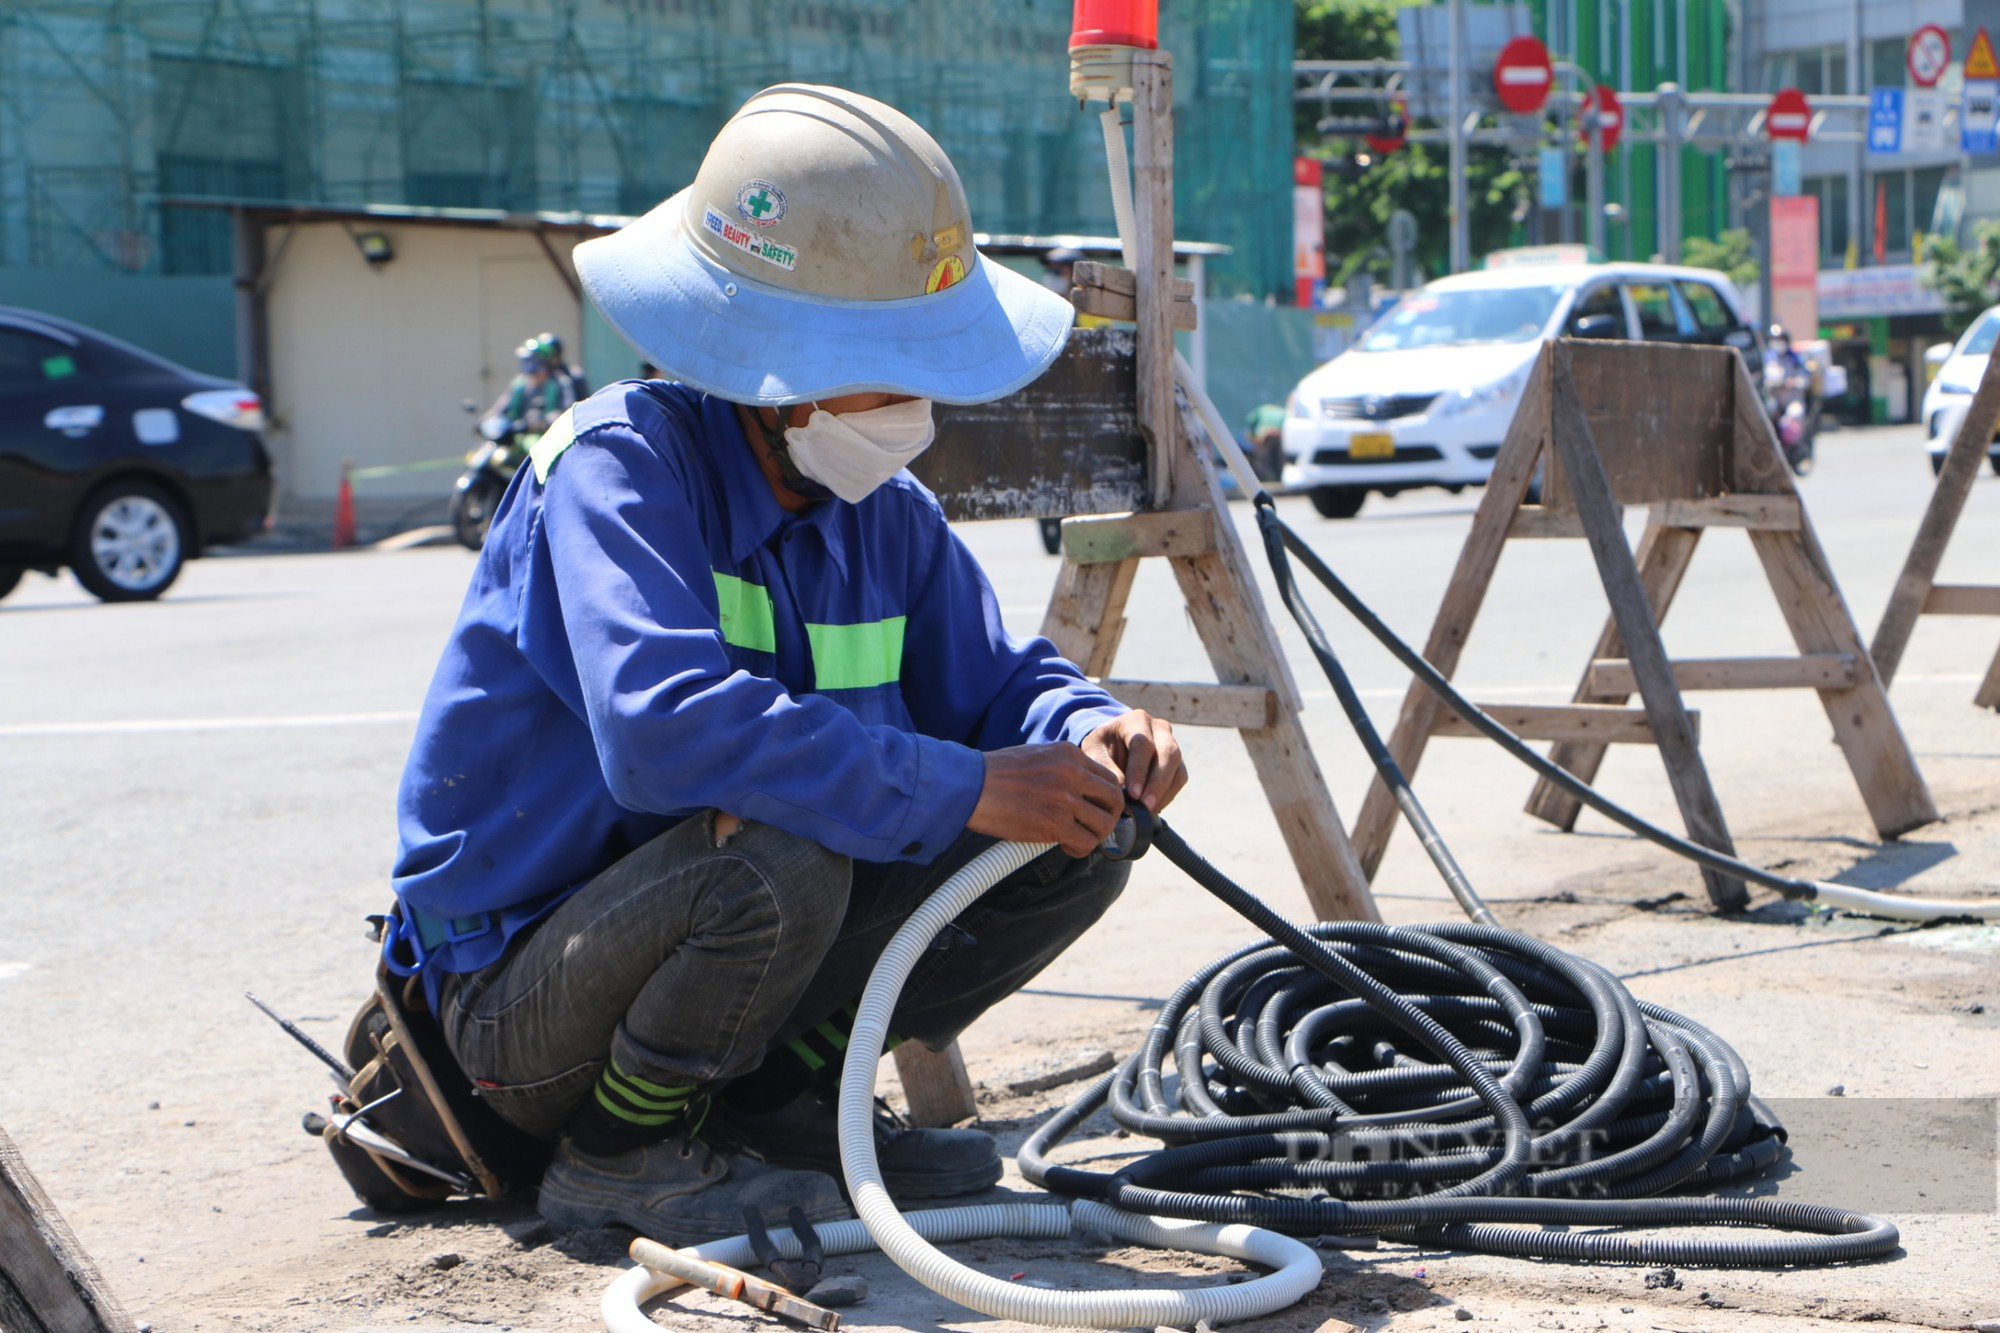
x=1426, y=395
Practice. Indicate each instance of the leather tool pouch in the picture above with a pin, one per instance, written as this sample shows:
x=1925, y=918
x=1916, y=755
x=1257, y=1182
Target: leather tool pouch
x=435, y=1114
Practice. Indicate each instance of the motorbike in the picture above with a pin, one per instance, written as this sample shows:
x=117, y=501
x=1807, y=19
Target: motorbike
x=488, y=469
x=1794, y=410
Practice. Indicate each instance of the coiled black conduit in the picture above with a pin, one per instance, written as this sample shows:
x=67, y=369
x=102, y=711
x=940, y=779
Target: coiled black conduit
x=1459, y=1086
x=1462, y=1086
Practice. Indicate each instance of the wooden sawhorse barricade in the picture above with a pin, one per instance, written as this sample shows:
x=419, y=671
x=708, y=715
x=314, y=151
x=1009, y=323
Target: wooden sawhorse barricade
x=1105, y=434
x=1679, y=429
x=47, y=1282
x=1917, y=593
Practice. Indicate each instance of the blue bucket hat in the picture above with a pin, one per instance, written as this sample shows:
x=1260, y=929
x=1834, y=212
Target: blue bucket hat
x=824, y=248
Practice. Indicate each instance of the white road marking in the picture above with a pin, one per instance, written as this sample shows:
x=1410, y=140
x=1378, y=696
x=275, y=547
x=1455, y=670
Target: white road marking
x=143, y=726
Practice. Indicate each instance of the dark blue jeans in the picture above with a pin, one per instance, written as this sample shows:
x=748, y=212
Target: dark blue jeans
x=688, y=961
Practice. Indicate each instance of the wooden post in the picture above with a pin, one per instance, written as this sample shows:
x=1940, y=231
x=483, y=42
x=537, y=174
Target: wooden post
x=1632, y=610
x=936, y=1087
x=1664, y=555
x=1954, y=483
x=47, y=1283
x=1153, y=262
x=1513, y=472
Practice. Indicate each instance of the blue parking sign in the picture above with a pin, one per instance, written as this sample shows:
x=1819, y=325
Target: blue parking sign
x=1885, y=120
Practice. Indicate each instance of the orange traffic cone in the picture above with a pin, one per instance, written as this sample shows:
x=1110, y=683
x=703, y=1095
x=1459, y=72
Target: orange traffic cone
x=343, y=508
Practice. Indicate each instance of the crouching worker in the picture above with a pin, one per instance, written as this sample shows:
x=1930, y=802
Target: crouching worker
x=727, y=699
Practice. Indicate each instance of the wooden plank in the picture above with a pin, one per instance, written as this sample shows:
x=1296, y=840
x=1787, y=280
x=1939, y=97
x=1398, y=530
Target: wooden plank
x=1659, y=413
x=1119, y=280
x=1773, y=513
x=1864, y=725
x=1962, y=599
x=1086, y=615
x=1597, y=724
x=1116, y=305
x=1757, y=463
x=1068, y=443
x=1988, y=695
x=1243, y=707
x=1822, y=671
x=1096, y=541
x=1809, y=598
x=47, y=1283
x=1513, y=469
x=1961, y=465
x=1540, y=523
x=1663, y=559
x=1630, y=606
x=1153, y=262
x=936, y=1087
x=1235, y=628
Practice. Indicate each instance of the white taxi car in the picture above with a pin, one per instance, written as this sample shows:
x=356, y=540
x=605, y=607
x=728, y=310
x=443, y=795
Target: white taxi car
x=1426, y=395
x=1951, y=390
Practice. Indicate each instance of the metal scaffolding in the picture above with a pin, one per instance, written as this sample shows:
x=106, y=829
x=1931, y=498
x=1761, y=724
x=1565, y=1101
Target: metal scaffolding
x=112, y=110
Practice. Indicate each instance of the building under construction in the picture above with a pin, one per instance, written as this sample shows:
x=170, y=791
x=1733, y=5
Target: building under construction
x=359, y=207
x=116, y=116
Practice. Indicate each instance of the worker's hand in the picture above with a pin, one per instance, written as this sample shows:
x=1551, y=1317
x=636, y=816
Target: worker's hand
x=1048, y=793
x=1143, y=750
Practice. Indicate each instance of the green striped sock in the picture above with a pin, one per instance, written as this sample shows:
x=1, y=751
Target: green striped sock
x=810, y=1060
x=626, y=1111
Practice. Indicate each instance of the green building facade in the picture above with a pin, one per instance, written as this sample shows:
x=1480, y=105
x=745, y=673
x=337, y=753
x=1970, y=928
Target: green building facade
x=1639, y=45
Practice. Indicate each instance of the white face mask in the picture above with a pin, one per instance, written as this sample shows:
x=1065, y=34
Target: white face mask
x=854, y=452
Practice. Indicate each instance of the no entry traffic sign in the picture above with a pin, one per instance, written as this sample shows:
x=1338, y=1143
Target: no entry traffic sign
x=1522, y=75
x=1929, y=53
x=1602, y=102
x=1789, y=116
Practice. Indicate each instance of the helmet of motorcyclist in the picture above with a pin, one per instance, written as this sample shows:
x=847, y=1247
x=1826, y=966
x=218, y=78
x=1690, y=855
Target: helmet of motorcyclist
x=552, y=348
x=1778, y=335
x=529, y=357
x=824, y=248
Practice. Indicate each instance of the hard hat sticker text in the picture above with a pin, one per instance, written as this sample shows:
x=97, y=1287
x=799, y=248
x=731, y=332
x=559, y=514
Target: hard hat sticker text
x=769, y=251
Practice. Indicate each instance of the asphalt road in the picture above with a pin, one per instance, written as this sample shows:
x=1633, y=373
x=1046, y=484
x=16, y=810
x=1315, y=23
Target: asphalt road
x=198, y=798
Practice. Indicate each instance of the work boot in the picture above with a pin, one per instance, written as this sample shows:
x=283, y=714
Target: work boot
x=916, y=1163
x=679, y=1191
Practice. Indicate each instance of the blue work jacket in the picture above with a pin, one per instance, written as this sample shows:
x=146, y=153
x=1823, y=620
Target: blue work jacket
x=649, y=634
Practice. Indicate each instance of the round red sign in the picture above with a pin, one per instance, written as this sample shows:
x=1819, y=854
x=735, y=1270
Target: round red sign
x=1522, y=75
x=1789, y=116
x=1395, y=125
x=1928, y=54
x=1602, y=102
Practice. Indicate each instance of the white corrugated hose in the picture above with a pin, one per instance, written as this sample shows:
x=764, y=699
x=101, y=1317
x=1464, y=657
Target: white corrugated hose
x=907, y=1240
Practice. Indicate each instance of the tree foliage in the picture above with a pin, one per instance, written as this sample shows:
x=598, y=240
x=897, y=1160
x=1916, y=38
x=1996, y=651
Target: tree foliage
x=1732, y=253
x=1967, y=277
x=1364, y=188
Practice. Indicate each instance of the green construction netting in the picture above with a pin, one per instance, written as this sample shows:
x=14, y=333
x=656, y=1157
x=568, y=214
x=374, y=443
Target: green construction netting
x=600, y=106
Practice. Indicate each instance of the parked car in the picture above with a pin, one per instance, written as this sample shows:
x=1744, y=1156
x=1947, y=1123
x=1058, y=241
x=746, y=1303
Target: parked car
x=117, y=463
x=1963, y=365
x=1426, y=395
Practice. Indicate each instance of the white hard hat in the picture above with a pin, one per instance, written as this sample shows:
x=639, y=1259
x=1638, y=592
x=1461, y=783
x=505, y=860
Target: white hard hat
x=824, y=248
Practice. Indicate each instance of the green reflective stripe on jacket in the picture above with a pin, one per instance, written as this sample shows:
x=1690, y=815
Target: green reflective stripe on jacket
x=854, y=657
x=545, y=451
x=746, y=615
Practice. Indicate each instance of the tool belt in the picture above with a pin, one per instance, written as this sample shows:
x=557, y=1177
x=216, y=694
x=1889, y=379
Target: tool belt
x=410, y=1131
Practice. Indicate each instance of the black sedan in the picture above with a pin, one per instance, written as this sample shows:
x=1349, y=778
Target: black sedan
x=117, y=463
